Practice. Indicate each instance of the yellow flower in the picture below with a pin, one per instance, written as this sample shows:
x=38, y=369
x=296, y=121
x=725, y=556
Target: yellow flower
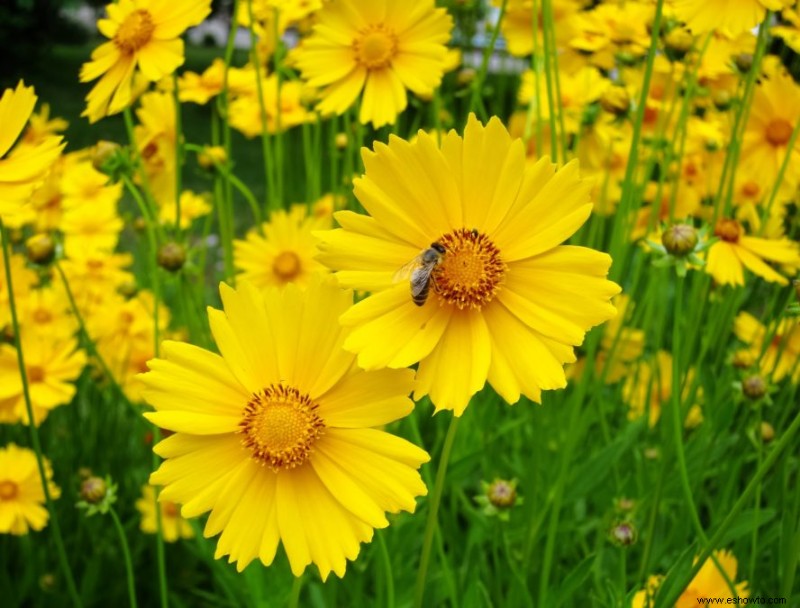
x=88, y=227
x=173, y=526
x=728, y=257
x=21, y=492
x=627, y=342
x=382, y=49
x=25, y=166
x=246, y=115
x=193, y=206
x=155, y=137
x=277, y=436
x=23, y=279
x=773, y=116
x=45, y=312
x=283, y=252
x=144, y=39
x=708, y=583
x=93, y=275
x=41, y=126
x=517, y=24
x=780, y=356
x=506, y=301
x=733, y=16
x=51, y=367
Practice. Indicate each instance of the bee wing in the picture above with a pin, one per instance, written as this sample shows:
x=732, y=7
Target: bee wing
x=405, y=272
x=420, y=278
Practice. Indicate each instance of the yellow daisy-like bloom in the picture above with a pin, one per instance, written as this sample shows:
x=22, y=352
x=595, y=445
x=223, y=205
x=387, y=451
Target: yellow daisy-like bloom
x=781, y=354
x=278, y=436
x=708, y=583
x=506, y=301
x=23, y=167
x=201, y=88
x=22, y=278
x=283, y=252
x=93, y=275
x=281, y=112
x=517, y=24
x=382, y=47
x=733, y=16
x=88, y=227
x=173, y=526
x=51, y=368
x=144, y=34
x=21, y=492
x=773, y=116
x=728, y=257
x=193, y=206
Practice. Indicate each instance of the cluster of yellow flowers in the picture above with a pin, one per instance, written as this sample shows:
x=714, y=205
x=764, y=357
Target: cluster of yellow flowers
x=280, y=436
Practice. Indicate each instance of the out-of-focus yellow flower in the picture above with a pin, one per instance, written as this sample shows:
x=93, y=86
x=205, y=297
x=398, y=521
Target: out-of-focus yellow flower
x=355, y=48
x=41, y=126
x=781, y=355
x=517, y=24
x=708, y=583
x=95, y=275
x=278, y=436
x=51, y=367
x=735, y=251
x=21, y=493
x=144, y=38
x=193, y=206
x=90, y=227
x=173, y=526
x=156, y=138
x=283, y=252
x=280, y=113
x=23, y=167
x=44, y=312
x=23, y=279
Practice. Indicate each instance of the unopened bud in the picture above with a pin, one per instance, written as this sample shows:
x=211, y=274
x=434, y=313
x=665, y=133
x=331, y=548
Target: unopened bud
x=41, y=249
x=139, y=224
x=679, y=239
x=502, y=494
x=211, y=156
x=754, y=387
x=340, y=141
x=722, y=99
x=465, y=76
x=171, y=256
x=677, y=43
x=128, y=289
x=93, y=490
x=767, y=432
x=743, y=61
x=102, y=152
x=623, y=534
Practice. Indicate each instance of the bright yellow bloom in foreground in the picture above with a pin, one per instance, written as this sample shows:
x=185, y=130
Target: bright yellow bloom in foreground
x=278, y=436
x=24, y=167
x=708, y=583
x=173, y=526
x=735, y=250
x=143, y=34
x=507, y=302
x=382, y=47
x=21, y=493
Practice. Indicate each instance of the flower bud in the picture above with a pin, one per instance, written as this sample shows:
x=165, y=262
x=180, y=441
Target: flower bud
x=754, y=387
x=93, y=490
x=623, y=534
x=340, y=141
x=677, y=43
x=102, y=152
x=211, y=156
x=767, y=432
x=41, y=249
x=743, y=61
x=679, y=239
x=128, y=289
x=501, y=493
x=465, y=76
x=722, y=100
x=171, y=256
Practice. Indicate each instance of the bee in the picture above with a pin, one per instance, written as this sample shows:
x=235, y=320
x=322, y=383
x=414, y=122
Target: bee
x=420, y=272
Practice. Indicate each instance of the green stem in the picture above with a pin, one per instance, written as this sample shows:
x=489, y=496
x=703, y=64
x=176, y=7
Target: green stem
x=433, y=510
x=477, y=84
x=179, y=150
x=126, y=553
x=784, y=442
x=387, y=569
x=294, y=594
x=34, y=431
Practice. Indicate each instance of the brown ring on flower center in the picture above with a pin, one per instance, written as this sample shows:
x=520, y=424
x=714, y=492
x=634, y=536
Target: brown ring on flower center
x=779, y=132
x=134, y=32
x=280, y=425
x=286, y=266
x=375, y=46
x=8, y=490
x=728, y=230
x=471, y=270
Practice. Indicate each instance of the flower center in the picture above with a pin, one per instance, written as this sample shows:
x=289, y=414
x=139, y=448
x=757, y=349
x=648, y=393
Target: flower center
x=135, y=32
x=280, y=426
x=779, y=132
x=751, y=189
x=286, y=266
x=471, y=270
x=728, y=230
x=40, y=315
x=375, y=47
x=8, y=490
x=171, y=509
x=35, y=373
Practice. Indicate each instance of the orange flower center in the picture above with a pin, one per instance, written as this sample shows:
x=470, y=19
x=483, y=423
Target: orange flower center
x=286, y=266
x=728, y=230
x=779, y=132
x=751, y=189
x=40, y=315
x=471, y=269
x=135, y=32
x=35, y=373
x=280, y=425
x=170, y=509
x=375, y=47
x=8, y=490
